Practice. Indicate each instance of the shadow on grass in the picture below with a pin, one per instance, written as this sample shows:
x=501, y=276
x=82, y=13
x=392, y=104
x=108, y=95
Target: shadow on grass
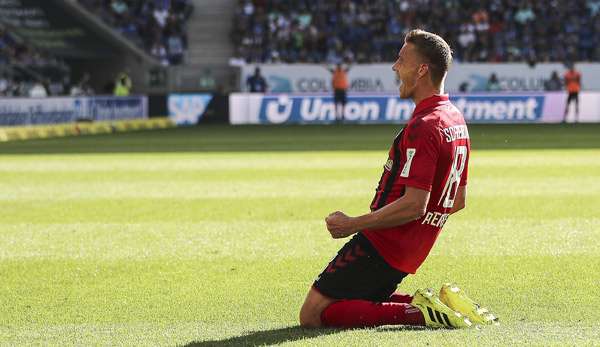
x=289, y=334
x=267, y=337
x=347, y=137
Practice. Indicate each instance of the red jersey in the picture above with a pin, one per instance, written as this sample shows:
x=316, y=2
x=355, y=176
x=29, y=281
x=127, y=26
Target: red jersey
x=430, y=153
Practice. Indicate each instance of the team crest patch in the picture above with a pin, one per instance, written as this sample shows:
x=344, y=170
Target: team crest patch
x=388, y=165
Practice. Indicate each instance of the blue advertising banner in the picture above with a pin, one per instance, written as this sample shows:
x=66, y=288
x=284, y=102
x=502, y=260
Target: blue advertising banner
x=40, y=111
x=373, y=109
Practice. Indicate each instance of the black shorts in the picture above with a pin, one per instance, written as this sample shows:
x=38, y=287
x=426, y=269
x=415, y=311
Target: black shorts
x=359, y=272
x=339, y=96
x=573, y=97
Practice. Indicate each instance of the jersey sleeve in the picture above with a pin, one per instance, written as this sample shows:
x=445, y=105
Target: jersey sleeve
x=420, y=151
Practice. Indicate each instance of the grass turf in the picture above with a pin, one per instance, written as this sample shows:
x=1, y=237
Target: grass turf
x=211, y=236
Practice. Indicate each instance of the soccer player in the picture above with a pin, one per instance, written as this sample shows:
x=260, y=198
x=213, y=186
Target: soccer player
x=424, y=181
x=573, y=85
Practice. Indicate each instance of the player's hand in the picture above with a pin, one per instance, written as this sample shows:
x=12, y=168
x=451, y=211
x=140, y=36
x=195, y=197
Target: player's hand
x=340, y=225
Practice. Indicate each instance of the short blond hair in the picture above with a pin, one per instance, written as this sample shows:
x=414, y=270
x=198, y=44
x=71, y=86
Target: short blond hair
x=434, y=49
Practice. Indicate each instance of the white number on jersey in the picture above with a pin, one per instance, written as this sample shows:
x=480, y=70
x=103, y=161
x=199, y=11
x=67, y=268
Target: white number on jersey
x=451, y=187
x=410, y=153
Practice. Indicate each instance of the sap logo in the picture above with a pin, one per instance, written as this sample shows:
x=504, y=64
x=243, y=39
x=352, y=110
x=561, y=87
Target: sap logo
x=278, y=84
x=501, y=109
x=187, y=109
x=280, y=110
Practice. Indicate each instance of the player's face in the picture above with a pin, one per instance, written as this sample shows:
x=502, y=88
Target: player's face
x=406, y=70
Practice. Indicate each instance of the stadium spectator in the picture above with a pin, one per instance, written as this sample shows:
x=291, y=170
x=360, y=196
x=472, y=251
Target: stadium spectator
x=554, y=83
x=159, y=26
x=573, y=86
x=207, y=82
x=123, y=85
x=25, y=67
x=257, y=83
x=159, y=51
x=4, y=84
x=339, y=84
x=38, y=91
x=369, y=31
x=493, y=85
x=83, y=87
x=175, y=48
x=161, y=13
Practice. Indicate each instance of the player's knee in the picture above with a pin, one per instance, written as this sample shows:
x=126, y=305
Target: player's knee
x=309, y=317
x=310, y=313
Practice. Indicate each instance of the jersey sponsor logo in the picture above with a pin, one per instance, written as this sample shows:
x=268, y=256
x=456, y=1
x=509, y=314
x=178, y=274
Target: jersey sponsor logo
x=388, y=164
x=410, y=153
x=457, y=132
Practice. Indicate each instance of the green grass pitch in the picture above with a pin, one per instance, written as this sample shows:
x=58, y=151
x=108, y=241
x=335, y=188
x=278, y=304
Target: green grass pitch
x=211, y=236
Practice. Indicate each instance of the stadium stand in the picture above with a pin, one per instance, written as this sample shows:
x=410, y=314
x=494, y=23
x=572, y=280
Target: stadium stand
x=367, y=31
x=27, y=71
x=158, y=26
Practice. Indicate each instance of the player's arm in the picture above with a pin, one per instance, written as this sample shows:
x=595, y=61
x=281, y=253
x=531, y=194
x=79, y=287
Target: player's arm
x=412, y=205
x=460, y=201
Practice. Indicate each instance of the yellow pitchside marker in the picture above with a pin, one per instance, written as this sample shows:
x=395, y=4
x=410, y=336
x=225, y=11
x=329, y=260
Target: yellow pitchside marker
x=82, y=128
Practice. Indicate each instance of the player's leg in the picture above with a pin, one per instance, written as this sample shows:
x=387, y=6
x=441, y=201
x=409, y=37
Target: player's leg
x=425, y=309
x=314, y=304
x=354, y=291
x=358, y=313
x=566, y=109
x=401, y=298
x=343, y=98
x=337, y=104
x=570, y=98
x=316, y=301
x=576, y=98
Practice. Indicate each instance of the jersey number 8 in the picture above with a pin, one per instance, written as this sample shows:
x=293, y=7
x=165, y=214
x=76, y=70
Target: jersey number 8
x=453, y=181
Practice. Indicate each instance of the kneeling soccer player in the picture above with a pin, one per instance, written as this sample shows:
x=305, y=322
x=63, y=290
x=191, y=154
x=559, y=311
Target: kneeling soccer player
x=424, y=181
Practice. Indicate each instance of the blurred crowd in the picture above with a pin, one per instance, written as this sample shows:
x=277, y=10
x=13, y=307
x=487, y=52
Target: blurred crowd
x=26, y=71
x=159, y=26
x=371, y=30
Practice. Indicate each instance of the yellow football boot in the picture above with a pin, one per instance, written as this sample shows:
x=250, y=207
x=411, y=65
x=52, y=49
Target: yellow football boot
x=437, y=315
x=455, y=298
